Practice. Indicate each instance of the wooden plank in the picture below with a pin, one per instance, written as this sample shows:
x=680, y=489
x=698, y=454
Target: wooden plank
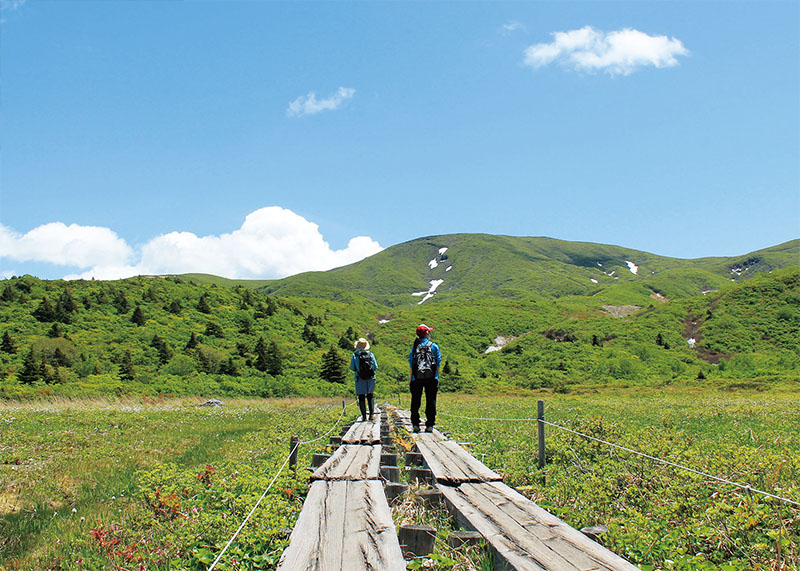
x=367, y=432
x=451, y=464
x=344, y=525
x=564, y=535
x=525, y=535
x=351, y=462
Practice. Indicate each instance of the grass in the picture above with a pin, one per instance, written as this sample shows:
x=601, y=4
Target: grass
x=162, y=484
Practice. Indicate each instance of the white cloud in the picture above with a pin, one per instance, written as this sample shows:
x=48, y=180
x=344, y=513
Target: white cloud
x=64, y=245
x=512, y=26
x=310, y=105
x=618, y=53
x=272, y=242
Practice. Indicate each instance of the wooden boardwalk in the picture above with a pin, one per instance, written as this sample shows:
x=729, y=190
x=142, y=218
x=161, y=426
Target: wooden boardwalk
x=346, y=523
x=522, y=535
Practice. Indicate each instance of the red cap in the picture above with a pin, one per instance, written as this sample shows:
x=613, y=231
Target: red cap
x=423, y=329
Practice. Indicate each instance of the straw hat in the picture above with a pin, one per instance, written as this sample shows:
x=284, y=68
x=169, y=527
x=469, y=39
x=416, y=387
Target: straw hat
x=362, y=344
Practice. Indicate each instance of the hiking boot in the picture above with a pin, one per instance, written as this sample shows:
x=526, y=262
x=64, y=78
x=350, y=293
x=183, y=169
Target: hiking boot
x=428, y=429
x=416, y=428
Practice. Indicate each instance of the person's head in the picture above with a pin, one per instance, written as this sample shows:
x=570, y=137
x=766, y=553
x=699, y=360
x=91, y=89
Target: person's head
x=362, y=344
x=423, y=331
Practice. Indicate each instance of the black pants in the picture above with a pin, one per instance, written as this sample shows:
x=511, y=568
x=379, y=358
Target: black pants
x=430, y=387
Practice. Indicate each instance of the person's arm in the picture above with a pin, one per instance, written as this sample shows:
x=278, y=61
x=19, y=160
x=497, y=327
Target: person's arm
x=411, y=364
x=374, y=362
x=353, y=365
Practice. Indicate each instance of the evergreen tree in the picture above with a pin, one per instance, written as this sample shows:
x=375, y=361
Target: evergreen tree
x=273, y=358
x=345, y=343
x=175, y=307
x=45, y=371
x=192, y=343
x=446, y=368
x=126, y=369
x=333, y=366
x=45, y=312
x=660, y=340
x=60, y=359
x=67, y=302
x=30, y=372
x=8, y=345
x=164, y=352
x=8, y=294
x=262, y=361
x=214, y=330
x=202, y=305
x=271, y=307
x=121, y=302
x=229, y=368
x=138, y=316
x=61, y=314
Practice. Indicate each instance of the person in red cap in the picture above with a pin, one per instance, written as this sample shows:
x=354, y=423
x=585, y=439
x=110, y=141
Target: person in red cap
x=424, y=360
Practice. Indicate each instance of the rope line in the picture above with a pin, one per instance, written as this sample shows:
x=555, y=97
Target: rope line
x=278, y=473
x=746, y=487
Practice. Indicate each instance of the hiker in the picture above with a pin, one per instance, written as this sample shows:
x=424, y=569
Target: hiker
x=424, y=360
x=364, y=364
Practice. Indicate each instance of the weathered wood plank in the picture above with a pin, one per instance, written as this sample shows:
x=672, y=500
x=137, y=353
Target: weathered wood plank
x=451, y=464
x=367, y=432
x=344, y=525
x=351, y=462
x=525, y=535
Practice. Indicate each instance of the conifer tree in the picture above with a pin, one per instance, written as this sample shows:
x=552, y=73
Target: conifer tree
x=175, y=307
x=202, y=305
x=333, y=366
x=164, y=352
x=138, y=316
x=229, y=368
x=8, y=294
x=45, y=312
x=192, y=343
x=67, y=302
x=274, y=361
x=262, y=362
x=8, y=345
x=60, y=359
x=61, y=314
x=30, y=372
x=121, y=302
x=214, y=330
x=126, y=369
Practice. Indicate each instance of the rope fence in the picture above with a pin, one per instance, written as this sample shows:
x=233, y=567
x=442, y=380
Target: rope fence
x=292, y=453
x=747, y=487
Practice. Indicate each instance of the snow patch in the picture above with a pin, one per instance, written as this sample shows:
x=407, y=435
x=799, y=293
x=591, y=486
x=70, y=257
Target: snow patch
x=599, y=264
x=594, y=281
x=382, y=321
x=632, y=267
x=442, y=251
x=449, y=268
x=500, y=342
x=433, y=263
x=428, y=294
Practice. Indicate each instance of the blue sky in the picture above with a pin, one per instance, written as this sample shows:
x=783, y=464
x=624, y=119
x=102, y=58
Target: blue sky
x=259, y=139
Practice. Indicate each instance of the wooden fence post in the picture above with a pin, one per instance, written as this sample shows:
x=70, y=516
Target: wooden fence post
x=541, y=433
x=293, y=446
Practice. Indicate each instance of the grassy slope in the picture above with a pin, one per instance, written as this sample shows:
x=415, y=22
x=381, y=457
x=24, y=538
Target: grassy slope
x=536, y=290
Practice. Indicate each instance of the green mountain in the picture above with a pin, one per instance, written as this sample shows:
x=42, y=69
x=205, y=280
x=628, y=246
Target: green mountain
x=508, y=266
x=510, y=314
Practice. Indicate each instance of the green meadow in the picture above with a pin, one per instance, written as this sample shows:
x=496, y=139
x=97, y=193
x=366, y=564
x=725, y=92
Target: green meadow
x=163, y=484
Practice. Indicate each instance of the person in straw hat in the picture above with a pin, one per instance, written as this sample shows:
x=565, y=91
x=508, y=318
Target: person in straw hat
x=364, y=365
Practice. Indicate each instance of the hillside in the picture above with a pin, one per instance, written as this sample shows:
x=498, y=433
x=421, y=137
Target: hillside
x=510, y=314
x=508, y=266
